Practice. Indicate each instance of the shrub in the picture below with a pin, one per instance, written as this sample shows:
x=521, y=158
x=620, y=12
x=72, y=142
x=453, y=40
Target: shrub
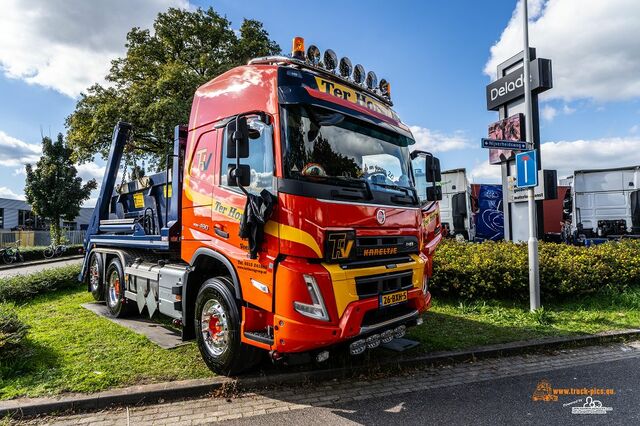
x=37, y=253
x=12, y=331
x=500, y=269
x=22, y=287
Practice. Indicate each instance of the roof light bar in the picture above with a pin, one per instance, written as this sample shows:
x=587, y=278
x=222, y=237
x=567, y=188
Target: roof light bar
x=345, y=70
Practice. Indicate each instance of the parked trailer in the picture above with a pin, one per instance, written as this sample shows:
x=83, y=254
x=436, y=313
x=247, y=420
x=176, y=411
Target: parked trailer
x=603, y=204
x=288, y=221
x=456, y=211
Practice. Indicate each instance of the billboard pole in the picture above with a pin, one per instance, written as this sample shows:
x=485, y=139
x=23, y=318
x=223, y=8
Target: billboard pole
x=534, y=272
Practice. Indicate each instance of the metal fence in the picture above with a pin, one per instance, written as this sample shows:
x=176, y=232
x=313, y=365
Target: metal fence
x=37, y=238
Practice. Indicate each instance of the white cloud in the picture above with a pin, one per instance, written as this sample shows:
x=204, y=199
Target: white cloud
x=14, y=152
x=68, y=45
x=549, y=112
x=485, y=173
x=90, y=171
x=436, y=141
x=568, y=156
x=634, y=129
x=594, y=46
x=567, y=110
x=8, y=193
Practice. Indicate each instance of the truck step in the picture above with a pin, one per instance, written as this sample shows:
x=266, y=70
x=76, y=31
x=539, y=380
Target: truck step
x=259, y=336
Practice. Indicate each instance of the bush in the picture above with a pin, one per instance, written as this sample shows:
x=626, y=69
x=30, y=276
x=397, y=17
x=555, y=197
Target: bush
x=37, y=253
x=500, y=269
x=22, y=287
x=12, y=331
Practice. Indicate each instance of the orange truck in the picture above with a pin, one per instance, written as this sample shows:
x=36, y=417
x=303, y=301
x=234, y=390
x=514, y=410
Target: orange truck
x=291, y=219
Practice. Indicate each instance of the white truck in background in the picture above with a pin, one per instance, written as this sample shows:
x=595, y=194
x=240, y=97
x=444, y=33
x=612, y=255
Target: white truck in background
x=456, y=212
x=604, y=204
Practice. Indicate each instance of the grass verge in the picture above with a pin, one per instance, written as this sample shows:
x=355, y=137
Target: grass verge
x=452, y=324
x=70, y=349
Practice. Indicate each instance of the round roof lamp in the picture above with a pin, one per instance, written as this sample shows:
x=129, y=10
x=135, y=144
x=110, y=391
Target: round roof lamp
x=330, y=60
x=313, y=55
x=358, y=74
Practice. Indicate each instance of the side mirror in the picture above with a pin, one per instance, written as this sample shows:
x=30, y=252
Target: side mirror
x=433, y=169
x=238, y=175
x=434, y=193
x=426, y=170
x=238, y=138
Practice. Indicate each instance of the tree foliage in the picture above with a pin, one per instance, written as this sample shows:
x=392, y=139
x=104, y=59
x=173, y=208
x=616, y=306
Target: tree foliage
x=53, y=188
x=152, y=87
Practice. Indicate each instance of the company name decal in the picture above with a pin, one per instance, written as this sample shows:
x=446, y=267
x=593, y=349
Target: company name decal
x=507, y=87
x=380, y=251
x=353, y=96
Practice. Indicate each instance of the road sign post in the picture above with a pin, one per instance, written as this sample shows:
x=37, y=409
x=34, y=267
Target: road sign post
x=534, y=271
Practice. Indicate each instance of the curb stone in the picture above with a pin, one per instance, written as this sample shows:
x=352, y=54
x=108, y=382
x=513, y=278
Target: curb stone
x=145, y=394
x=39, y=262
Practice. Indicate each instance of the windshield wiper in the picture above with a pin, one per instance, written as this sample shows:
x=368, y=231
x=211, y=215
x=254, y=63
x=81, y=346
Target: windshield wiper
x=349, y=182
x=411, y=193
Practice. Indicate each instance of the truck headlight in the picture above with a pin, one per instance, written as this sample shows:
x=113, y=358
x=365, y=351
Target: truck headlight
x=317, y=309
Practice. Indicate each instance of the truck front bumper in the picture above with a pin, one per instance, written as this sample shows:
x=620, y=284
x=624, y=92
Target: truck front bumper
x=360, y=318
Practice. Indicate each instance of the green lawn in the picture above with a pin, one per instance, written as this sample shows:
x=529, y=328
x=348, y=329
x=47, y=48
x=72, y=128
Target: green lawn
x=70, y=349
x=455, y=325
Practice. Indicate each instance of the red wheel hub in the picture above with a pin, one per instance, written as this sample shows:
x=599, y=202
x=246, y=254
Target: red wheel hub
x=214, y=326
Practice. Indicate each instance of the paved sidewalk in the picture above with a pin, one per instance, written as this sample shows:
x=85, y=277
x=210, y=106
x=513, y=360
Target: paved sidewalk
x=28, y=268
x=230, y=405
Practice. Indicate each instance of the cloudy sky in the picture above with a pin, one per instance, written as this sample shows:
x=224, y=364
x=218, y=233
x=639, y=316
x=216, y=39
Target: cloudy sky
x=438, y=56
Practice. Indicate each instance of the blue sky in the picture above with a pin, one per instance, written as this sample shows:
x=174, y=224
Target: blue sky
x=438, y=57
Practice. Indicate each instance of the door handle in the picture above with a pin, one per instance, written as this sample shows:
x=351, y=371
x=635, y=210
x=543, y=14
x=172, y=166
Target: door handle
x=220, y=233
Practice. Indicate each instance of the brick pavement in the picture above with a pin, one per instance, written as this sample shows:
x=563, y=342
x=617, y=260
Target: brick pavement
x=260, y=402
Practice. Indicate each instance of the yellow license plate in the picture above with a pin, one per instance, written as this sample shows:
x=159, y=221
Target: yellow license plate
x=393, y=298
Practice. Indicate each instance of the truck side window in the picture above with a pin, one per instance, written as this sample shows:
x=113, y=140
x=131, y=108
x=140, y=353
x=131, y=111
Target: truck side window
x=260, y=159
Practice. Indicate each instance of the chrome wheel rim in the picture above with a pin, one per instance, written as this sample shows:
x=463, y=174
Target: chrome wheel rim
x=114, y=288
x=94, y=274
x=214, y=327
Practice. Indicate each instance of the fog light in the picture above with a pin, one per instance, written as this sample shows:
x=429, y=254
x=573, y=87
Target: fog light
x=322, y=356
x=357, y=347
x=373, y=341
x=386, y=336
x=399, y=331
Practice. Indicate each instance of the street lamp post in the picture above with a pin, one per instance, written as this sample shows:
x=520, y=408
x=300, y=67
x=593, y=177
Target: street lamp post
x=534, y=271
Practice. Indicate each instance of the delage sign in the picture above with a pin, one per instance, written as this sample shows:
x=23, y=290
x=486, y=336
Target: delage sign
x=511, y=86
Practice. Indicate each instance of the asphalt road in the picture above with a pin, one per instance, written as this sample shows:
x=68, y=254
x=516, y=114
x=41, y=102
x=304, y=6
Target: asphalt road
x=503, y=401
x=25, y=270
x=493, y=391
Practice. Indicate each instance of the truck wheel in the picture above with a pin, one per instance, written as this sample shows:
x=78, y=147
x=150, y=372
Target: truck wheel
x=95, y=277
x=115, y=286
x=217, y=328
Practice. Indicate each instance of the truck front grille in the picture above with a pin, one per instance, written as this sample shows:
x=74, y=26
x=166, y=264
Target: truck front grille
x=386, y=283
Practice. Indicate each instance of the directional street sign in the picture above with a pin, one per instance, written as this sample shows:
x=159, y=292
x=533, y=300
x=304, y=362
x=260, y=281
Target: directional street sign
x=526, y=169
x=501, y=144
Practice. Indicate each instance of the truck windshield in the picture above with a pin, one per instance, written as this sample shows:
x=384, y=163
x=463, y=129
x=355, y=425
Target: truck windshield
x=329, y=147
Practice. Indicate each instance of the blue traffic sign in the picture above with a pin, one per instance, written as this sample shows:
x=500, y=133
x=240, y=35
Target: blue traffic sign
x=526, y=169
x=502, y=144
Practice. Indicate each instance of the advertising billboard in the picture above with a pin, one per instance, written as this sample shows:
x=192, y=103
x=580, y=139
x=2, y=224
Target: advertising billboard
x=509, y=129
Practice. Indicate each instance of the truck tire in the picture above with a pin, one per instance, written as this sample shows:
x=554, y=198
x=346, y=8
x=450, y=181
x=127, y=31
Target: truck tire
x=96, y=284
x=217, y=329
x=114, y=290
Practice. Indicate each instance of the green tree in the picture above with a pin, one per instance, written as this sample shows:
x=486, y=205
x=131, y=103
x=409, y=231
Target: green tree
x=152, y=87
x=53, y=188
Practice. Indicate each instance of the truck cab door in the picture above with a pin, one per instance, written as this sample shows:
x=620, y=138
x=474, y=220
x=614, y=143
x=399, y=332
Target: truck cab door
x=256, y=275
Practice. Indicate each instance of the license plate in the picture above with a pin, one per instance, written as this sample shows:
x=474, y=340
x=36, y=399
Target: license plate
x=393, y=298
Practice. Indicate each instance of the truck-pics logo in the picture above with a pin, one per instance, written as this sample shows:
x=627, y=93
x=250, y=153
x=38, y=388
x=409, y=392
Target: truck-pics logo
x=340, y=245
